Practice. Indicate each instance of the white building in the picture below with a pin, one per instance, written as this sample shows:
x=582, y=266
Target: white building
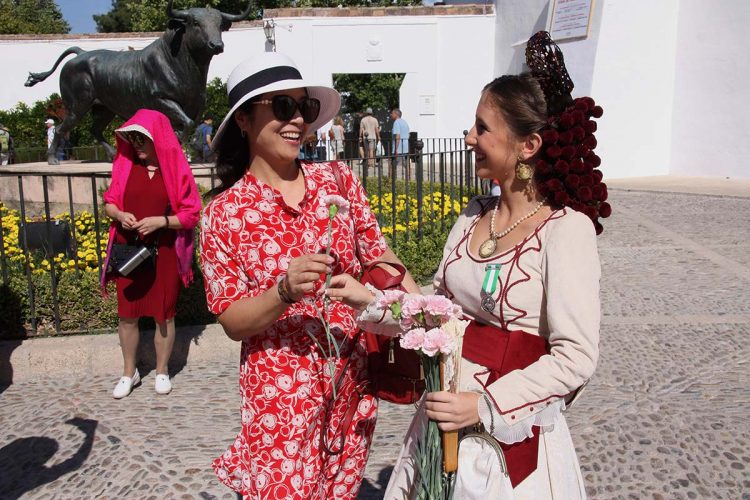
x=669, y=73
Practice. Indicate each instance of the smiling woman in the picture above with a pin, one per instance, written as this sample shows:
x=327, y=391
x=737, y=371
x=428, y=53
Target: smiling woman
x=261, y=251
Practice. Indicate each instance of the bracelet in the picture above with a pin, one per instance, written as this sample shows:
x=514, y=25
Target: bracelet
x=284, y=294
x=166, y=219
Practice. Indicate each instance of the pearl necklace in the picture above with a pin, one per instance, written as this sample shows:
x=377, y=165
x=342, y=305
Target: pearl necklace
x=489, y=245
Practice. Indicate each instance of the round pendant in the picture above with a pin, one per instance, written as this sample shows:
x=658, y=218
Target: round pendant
x=488, y=303
x=487, y=248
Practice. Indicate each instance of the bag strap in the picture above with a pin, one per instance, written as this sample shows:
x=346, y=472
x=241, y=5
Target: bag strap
x=340, y=183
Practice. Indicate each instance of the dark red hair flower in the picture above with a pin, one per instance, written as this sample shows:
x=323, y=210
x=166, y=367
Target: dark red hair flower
x=605, y=194
x=578, y=133
x=578, y=117
x=589, y=101
x=562, y=168
x=554, y=185
x=605, y=210
x=576, y=166
x=596, y=192
x=590, y=211
x=589, y=126
x=590, y=142
x=562, y=198
x=572, y=181
x=587, y=180
x=566, y=137
x=597, y=112
x=566, y=120
x=582, y=105
x=584, y=194
x=598, y=227
x=550, y=136
x=542, y=167
x=598, y=176
x=593, y=159
x=554, y=152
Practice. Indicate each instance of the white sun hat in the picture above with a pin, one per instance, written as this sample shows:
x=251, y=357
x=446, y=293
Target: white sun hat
x=269, y=72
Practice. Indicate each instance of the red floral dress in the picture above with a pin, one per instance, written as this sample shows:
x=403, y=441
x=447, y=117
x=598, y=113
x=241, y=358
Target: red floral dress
x=249, y=235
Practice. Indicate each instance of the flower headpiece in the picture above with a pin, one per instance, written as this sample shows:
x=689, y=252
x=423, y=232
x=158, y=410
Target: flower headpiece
x=567, y=167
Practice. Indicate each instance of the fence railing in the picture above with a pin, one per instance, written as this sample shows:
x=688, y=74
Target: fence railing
x=53, y=224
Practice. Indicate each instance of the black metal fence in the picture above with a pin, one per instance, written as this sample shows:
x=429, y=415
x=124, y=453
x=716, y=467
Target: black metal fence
x=53, y=224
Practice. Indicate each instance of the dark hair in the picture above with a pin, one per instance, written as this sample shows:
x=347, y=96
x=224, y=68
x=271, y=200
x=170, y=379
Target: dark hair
x=233, y=153
x=520, y=100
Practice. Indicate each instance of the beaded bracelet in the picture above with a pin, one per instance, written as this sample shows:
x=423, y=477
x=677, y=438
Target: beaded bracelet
x=284, y=294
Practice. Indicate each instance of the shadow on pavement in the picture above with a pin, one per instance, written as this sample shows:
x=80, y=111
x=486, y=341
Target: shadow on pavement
x=370, y=491
x=183, y=339
x=23, y=460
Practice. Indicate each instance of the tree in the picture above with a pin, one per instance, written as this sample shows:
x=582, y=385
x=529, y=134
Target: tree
x=151, y=15
x=31, y=16
x=379, y=91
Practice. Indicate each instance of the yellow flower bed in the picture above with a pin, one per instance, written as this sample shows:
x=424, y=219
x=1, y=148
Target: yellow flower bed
x=85, y=236
x=434, y=206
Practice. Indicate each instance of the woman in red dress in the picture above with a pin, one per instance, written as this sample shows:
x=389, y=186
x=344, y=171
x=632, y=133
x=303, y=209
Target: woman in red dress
x=261, y=243
x=152, y=199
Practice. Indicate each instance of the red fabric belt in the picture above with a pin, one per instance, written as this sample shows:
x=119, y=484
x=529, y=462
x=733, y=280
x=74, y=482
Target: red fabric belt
x=503, y=351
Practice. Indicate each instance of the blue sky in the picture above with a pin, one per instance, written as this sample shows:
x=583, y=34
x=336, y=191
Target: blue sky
x=78, y=13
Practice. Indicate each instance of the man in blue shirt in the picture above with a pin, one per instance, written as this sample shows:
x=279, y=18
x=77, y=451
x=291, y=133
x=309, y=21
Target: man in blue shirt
x=204, y=134
x=400, y=135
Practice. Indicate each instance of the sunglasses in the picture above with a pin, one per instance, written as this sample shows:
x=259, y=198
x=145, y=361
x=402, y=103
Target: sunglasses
x=136, y=139
x=284, y=107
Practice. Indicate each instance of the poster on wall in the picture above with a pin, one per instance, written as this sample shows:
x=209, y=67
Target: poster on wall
x=570, y=19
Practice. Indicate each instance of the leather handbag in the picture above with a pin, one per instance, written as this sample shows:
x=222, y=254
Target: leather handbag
x=395, y=373
x=124, y=258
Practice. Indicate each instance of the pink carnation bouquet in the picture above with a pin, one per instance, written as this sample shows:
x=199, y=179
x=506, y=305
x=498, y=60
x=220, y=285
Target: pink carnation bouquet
x=432, y=326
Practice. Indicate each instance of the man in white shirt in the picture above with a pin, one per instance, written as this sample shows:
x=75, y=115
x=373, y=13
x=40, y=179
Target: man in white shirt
x=369, y=136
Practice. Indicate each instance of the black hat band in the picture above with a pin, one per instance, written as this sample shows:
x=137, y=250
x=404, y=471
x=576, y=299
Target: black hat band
x=261, y=79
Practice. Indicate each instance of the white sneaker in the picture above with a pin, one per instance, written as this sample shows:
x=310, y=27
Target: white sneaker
x=162, y=384
x=125, y=385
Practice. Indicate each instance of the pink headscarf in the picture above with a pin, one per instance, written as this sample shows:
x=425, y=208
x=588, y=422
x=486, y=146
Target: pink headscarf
x=178, y=180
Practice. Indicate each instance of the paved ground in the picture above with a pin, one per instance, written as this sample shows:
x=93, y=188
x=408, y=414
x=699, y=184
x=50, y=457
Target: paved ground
x=666, y=415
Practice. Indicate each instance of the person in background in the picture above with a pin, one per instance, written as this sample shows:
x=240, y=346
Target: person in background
x=6, y=145
x=369, y=136
x=153, y=199
x=263, y=239
x=336, y=135
x=204, y=134
x=400, y=134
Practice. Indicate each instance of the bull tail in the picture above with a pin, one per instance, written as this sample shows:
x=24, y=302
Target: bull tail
x=35, y=78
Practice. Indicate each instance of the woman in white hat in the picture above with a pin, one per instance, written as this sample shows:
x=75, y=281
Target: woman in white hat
x=262, y=251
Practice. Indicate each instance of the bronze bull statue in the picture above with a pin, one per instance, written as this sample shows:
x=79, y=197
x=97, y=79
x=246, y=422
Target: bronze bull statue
x=169, y=75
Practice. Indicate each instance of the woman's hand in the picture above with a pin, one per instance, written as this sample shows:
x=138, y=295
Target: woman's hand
x=353, y=293
x=148, y=225
x=304, y=272
x=452, y=411
x=126, y=219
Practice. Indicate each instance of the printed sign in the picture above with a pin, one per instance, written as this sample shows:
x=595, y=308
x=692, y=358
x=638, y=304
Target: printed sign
x=570, y=19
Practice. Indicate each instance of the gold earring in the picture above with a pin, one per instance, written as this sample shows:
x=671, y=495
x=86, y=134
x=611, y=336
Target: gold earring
x=524, y=171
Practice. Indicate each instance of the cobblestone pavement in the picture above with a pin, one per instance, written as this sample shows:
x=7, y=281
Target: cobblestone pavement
x=665, y=416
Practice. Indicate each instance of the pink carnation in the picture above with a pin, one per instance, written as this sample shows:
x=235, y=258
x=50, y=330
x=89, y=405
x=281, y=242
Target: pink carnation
x=439, y=309
x=389, y=297
x=413, y=339
x=330, y=200
x=436, y=340
x=412, y=305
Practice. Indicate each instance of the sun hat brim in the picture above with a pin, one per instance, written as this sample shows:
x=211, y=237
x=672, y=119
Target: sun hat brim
x=330, y=99
x=132, y=128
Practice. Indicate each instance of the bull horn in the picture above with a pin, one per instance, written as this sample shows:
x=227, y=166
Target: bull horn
x=233, y=18
x=176, y=14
